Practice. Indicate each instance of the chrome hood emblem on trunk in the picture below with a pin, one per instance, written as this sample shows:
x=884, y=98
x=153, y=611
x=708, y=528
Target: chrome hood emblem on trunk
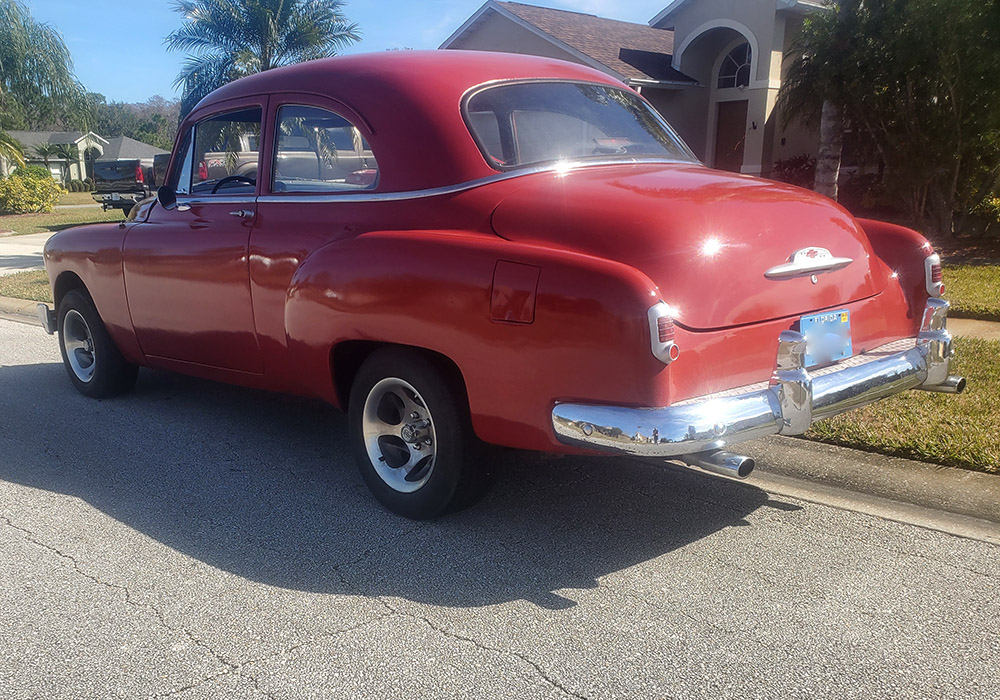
x=807, y=261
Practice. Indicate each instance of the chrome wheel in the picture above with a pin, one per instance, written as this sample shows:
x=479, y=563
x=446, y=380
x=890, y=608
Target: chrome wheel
x=78, y=342
x=399, y=435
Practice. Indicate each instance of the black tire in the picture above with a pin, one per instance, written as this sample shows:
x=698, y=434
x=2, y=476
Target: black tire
x=96, y=366
x=456, y=475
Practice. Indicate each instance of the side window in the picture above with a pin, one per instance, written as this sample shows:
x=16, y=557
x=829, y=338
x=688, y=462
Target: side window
x=224, y=157
x=317, y=150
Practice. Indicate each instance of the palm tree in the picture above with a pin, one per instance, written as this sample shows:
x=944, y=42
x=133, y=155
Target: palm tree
x=46, y=151
x=229, y=39
x=36, y=72
x=818, y=82
x=71, y=152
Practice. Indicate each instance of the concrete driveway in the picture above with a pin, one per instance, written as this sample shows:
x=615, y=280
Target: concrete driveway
x=195, y=540
x=19, y=253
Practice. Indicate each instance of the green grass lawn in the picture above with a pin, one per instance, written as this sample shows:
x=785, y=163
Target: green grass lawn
x=33, y=285
x=960, y=431
x=57, y=220
x=76, y=198
x=973, y=290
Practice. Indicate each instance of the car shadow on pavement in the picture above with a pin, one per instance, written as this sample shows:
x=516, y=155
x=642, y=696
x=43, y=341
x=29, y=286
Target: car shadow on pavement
x=264, y=487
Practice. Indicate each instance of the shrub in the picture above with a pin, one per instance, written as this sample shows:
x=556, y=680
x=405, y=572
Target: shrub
x=33, y=172
x=88, y=184
x=797, y=170
x=21, y=194
x=75, y=186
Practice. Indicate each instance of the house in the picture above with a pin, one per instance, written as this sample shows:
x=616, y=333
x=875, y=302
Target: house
x=712, y=68
x=125, y=148
x=88, y=147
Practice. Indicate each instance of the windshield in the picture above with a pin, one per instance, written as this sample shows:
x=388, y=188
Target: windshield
x=523, y=124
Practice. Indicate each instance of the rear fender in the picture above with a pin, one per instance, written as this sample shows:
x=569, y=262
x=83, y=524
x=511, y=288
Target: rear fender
x=903, y=250
x=588, y=336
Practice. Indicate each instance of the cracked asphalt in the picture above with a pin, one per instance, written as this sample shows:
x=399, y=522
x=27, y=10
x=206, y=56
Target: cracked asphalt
x=193, y=540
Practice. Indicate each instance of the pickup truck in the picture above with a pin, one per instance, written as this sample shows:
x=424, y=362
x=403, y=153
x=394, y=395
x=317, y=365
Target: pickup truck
x=119, y=184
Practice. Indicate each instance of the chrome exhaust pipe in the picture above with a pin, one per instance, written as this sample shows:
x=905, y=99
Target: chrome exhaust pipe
x=952, y=385
x=724, y=463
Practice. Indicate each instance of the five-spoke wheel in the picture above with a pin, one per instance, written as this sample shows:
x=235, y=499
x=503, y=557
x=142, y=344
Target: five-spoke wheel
x=94, y=363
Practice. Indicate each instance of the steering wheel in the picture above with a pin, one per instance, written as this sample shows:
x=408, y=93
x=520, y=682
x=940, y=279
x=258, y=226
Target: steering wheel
x=233, y=178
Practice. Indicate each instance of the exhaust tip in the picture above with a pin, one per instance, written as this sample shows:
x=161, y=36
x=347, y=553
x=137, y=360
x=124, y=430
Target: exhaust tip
x=724, y=463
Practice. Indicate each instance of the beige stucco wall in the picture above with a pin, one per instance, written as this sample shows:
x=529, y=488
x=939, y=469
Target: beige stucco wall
x=496, y=33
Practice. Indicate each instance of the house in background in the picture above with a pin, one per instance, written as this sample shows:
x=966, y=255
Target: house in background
x=89, y=147
x=712, y=68
x=125, y=148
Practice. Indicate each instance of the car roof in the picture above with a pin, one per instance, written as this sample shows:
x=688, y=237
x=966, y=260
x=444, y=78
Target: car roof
x=411, y=100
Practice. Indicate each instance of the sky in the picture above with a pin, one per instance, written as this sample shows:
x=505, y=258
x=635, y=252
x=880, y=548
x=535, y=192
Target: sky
x=118, y=51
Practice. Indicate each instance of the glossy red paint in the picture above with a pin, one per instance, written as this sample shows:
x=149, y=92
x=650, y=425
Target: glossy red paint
x=535, y=287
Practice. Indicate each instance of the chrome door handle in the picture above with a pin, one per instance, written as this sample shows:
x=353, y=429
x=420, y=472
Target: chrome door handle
x=242, y=213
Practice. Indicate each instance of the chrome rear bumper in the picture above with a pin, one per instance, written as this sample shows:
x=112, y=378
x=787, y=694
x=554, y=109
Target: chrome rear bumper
x=788, y=404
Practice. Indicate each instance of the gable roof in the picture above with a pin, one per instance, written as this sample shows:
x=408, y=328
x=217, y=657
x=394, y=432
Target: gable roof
x=125, y=148
x=629, y=51
x=30, y=139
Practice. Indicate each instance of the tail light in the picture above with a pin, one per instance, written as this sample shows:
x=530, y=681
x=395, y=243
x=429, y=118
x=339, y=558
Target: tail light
x=202, y=171
x=662, y=333
x=138, y=174
x=932, y=275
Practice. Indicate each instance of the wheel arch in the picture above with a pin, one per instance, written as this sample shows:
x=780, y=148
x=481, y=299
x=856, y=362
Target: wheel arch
x=65, y=282
x=346, y=358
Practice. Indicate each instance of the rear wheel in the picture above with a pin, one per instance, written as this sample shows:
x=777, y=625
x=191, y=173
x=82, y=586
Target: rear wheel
x=92, y=360
x=412, y=438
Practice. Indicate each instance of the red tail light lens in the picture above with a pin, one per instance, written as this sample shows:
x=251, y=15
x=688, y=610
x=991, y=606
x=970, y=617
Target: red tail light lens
x=666, y=329
x=138, y=174
x=202, y=171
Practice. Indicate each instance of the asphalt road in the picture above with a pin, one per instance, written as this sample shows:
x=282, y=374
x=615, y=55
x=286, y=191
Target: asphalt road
x=196, y=540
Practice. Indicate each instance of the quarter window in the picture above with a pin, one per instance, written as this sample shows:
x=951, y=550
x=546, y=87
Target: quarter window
x=317, y=150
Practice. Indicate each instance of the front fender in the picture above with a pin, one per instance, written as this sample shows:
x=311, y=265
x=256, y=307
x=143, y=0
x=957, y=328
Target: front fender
x=588, y=338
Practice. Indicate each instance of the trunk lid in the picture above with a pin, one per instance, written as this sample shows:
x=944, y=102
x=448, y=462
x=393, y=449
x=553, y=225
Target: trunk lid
x=705, y=237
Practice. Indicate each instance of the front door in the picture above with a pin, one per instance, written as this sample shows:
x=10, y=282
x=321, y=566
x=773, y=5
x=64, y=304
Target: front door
x=187, y=269
x=730, y=135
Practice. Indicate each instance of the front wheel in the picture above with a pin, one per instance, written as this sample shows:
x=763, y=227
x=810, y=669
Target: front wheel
x=412, y=438
x=93, y=361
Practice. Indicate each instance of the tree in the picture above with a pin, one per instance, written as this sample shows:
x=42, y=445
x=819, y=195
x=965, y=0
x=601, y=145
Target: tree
x=819, y=82
x=917, y=78
x=230, y=39
x=37, y=85
x=153, y=121
x=46, y=151
x=71, y=153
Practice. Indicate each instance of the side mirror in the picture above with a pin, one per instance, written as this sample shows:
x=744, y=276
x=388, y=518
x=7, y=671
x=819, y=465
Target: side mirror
x=167, y=197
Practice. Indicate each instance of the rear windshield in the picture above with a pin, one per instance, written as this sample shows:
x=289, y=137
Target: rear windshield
x=523, y=124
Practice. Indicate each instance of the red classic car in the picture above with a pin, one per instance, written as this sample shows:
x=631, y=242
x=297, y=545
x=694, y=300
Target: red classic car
x=521, y=252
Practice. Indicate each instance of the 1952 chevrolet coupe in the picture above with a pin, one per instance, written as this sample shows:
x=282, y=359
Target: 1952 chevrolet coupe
x=462, y=248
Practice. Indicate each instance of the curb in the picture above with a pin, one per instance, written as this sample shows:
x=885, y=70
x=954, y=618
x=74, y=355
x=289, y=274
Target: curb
x=957, y=491
x=20, y=310
x=934, y=487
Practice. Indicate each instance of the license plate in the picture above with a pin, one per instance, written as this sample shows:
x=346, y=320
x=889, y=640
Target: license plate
x=115, y=196
x=828, y=337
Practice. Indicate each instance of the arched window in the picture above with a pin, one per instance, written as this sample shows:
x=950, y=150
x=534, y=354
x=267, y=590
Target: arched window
x=735, y=68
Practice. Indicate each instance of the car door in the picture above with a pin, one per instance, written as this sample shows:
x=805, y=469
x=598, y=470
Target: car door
x=186, y=269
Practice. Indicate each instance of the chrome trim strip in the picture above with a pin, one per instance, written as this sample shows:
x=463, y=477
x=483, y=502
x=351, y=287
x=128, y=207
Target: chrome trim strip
x=196, y=200
x=792, y=401
x=560, y=167
x=807, y=261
